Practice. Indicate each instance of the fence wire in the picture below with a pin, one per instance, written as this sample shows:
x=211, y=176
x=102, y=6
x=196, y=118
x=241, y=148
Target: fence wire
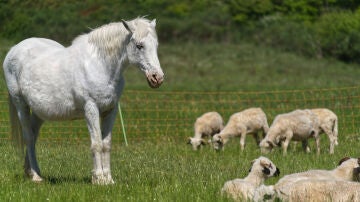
x=158, y=114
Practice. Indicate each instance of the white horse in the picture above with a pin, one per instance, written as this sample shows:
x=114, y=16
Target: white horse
x=49, y=82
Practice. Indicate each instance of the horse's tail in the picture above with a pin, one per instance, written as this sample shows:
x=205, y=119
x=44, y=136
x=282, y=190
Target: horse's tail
x=16, y=131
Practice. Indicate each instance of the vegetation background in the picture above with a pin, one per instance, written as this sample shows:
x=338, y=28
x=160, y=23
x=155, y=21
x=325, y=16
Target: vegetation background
x=217, y=55
x=316, y=28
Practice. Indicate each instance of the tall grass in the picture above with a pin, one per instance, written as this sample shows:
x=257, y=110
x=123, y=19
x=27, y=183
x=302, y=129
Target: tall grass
x=164, y=168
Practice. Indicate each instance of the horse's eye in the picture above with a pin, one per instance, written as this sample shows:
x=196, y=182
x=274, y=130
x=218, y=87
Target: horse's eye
x=139, y=46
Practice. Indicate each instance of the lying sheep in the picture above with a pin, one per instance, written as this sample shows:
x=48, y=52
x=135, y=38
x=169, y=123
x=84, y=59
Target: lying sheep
x=244, y=189
x=206, y=125
x=264, y=193
x=324, y=191
x=298, y=125
x=328, y=122
x=249, y=121
x=347, y=170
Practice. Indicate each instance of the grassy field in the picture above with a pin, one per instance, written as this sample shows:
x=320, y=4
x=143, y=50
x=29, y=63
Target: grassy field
x=158, y=165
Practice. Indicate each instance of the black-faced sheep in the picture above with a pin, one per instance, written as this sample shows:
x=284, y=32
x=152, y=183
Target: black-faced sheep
x=244, y=189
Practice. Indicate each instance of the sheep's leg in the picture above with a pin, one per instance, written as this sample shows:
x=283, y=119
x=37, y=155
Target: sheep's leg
x=317, y=140
x=305, y=146
x=241, y=131
x=332, y=139
x=289, y=135
x=257, y=139
x=265, y=130
x=242, y=140
x=285, y=145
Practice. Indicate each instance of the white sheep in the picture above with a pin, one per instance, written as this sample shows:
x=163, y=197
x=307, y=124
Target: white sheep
x=264, y=193
x=328, y=122
x=324, y=191
x=206, y=125
x=244, y=189
x=249, y=121
x=347, y=170
x=298, y=125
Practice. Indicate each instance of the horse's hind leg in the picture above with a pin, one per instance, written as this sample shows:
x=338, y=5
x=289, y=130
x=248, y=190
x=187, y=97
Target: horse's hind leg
x=36, y=123
x=31, y=165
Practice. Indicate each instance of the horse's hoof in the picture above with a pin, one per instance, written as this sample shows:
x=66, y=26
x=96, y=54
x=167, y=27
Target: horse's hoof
x=36, y=178
x=102, y=180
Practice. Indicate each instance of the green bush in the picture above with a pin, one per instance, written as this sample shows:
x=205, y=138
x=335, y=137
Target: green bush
x=287, y=35
x=308, y=27
x=339, y=35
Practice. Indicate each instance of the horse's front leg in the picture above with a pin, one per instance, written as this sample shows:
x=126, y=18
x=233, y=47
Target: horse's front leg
x=93, y=123
x=106, y=128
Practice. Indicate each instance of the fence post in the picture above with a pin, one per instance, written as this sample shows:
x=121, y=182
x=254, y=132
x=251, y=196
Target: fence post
x=122, y=123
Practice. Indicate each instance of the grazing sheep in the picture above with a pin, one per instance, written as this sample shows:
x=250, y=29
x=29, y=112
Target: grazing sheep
x=244, y=189
x=328, y=122
x=347, y=170
x=324, y=191
x=298, y=125
x=206, y=125
x=249, y=121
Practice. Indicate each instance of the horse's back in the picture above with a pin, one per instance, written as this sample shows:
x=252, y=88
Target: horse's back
x=28, y=49
x=34, y=46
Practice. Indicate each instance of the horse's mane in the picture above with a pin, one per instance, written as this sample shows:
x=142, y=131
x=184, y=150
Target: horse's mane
x=109, y=38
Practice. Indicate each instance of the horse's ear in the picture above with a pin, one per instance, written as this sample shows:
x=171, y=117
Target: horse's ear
x=126, y=25
x=153, y=23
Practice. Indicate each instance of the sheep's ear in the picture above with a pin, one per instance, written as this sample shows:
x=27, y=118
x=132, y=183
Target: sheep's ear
x=263, y=163
x=271, y=144
x=343, y=160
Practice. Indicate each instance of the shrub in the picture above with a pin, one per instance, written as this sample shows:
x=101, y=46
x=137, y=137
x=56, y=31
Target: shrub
x=339, y=35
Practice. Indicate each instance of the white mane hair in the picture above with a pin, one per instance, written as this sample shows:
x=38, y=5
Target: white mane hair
x=108, y=40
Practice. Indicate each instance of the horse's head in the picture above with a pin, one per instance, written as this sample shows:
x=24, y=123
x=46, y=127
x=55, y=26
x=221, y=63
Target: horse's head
x=142, y=49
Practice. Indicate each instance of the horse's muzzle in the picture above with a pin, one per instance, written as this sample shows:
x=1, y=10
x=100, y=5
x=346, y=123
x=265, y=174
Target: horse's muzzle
x=155, y=80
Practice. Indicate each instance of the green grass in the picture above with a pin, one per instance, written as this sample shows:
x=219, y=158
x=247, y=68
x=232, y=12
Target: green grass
x=149, y=171
x=158, y=165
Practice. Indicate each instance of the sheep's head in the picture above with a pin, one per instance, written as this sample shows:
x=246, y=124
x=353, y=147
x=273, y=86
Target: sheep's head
x=218, y=142
x=266, y=146
x=264, y=166
x=351, y=165
x=196, y=142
